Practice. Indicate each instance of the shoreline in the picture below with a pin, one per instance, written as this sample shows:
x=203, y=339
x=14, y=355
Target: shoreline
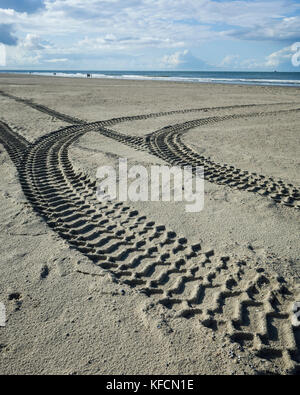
x=79, y=74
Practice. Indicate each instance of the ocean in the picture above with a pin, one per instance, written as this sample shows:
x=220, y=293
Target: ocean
x=216, y=77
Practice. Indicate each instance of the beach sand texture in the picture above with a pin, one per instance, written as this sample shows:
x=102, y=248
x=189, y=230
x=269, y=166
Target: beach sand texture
x=144, y=287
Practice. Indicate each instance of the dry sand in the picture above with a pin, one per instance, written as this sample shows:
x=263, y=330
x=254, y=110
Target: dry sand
x=159, y=306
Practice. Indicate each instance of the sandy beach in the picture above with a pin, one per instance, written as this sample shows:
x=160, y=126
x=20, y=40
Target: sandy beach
x=95, y=287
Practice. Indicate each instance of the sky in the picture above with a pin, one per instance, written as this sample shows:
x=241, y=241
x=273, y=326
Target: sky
x=241, y=35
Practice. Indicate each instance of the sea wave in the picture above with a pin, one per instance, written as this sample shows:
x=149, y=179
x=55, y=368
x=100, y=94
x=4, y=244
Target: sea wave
x=145, y=77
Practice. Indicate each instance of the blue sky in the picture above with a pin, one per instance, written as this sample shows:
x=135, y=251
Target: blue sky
x=150, y=34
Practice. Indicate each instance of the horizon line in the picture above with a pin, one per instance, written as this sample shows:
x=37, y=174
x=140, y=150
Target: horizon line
x=154, y=70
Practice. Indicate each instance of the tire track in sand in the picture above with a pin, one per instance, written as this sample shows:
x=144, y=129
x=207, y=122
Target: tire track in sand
x=183, y=278
x=167, y=144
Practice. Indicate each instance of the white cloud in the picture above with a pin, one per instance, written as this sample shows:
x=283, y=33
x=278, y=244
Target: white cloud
x=230, y=60
x=56, y=60
x=277, y=30
x=176, y=20
x=29, y=50
x=175, y=59
x=111, y=41
x=143, y=27
x=184, y=60
x=238, y=12
x=19, y=57
x=6, y=12
x=34, y=42
x=276, y=58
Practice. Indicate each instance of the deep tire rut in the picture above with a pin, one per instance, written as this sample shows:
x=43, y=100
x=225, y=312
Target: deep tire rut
x=167, y=144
